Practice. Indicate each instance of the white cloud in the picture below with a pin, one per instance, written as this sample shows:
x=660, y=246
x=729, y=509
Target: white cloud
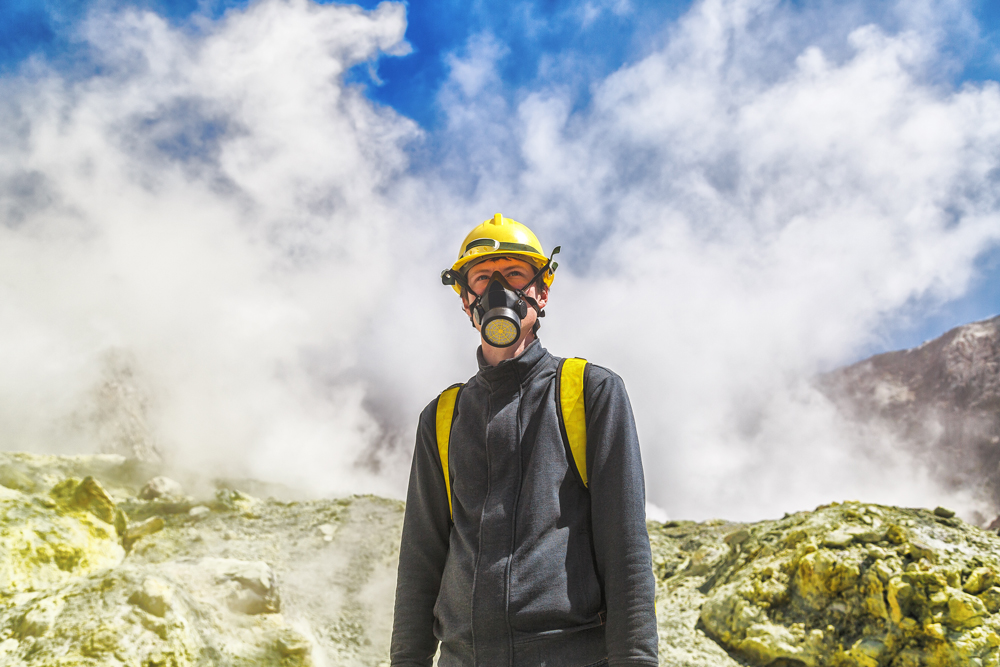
x=477, y=69
x=747, y=223
x=654, y=513
x=210, y=204
x=745, y=206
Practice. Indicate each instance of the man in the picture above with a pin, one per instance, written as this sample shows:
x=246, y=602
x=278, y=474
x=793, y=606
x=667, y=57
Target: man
x=518, y=549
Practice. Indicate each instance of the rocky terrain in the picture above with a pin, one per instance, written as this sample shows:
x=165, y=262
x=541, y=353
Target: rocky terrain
x=99, y=567
x=103, y=562
x=847, y=584
x=941, y=400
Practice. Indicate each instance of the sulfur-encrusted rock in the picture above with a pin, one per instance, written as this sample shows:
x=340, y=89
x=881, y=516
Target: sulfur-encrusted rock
x=153, y=596
x=45, y=544
x=241, y=581
x=920, y=596
x=147, y=614
x=253, y=582
x=137, y=531
x=13, y=475
x=686, y=556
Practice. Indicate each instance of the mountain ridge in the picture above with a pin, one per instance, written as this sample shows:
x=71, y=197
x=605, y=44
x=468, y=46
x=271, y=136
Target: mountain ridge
x=939, y=400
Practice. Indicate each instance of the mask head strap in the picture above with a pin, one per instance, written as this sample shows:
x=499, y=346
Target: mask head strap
x=539, y=274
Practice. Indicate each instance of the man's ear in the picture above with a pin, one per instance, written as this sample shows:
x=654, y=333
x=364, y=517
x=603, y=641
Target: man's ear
x=543, y=295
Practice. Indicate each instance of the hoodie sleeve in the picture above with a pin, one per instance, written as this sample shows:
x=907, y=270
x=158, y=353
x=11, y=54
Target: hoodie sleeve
x=618, y=507
x=422, y=552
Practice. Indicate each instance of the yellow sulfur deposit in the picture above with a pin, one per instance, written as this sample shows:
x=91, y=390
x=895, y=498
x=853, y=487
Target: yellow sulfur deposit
x=98, y=570
x=49, y=542
x=859, y=585
x=228, y=581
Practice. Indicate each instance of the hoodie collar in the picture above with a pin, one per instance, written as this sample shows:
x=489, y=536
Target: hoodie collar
x=521, y=365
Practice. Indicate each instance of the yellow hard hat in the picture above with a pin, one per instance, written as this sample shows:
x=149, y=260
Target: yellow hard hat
x=500, y=236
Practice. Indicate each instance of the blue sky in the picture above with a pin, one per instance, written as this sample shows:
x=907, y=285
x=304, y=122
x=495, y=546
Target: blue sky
x=438, y=27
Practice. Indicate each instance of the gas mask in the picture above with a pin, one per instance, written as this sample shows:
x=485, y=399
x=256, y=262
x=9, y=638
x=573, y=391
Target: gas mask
x=499, y=310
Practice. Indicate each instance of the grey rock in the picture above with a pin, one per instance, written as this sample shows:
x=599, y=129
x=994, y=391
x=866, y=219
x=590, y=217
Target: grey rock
x=117, y=414
x=247, y=587
x=161, y=488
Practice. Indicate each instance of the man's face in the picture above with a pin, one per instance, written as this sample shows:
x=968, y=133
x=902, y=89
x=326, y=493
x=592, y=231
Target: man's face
x=517, y=272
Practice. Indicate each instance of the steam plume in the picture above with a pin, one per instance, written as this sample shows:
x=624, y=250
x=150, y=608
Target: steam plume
x=750, y=203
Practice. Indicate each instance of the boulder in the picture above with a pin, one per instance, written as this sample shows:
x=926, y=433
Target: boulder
x=800, y=593
x=161, y=488
x=244, y=587
x=44, y=543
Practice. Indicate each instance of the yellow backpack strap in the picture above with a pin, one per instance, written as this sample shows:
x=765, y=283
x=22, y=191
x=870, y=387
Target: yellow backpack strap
x=445, y=416
x=571, y=411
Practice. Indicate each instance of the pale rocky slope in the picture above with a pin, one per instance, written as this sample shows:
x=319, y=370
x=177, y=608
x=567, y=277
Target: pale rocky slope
x=90, y=574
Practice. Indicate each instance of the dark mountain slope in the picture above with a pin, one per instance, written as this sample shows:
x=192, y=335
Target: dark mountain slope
x=942, y=400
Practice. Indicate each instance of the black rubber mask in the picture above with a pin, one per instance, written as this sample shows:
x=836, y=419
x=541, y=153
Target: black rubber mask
x=499, y=310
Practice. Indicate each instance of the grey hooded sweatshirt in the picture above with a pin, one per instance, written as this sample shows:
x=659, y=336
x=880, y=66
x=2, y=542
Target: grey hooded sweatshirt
x=536, y=568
